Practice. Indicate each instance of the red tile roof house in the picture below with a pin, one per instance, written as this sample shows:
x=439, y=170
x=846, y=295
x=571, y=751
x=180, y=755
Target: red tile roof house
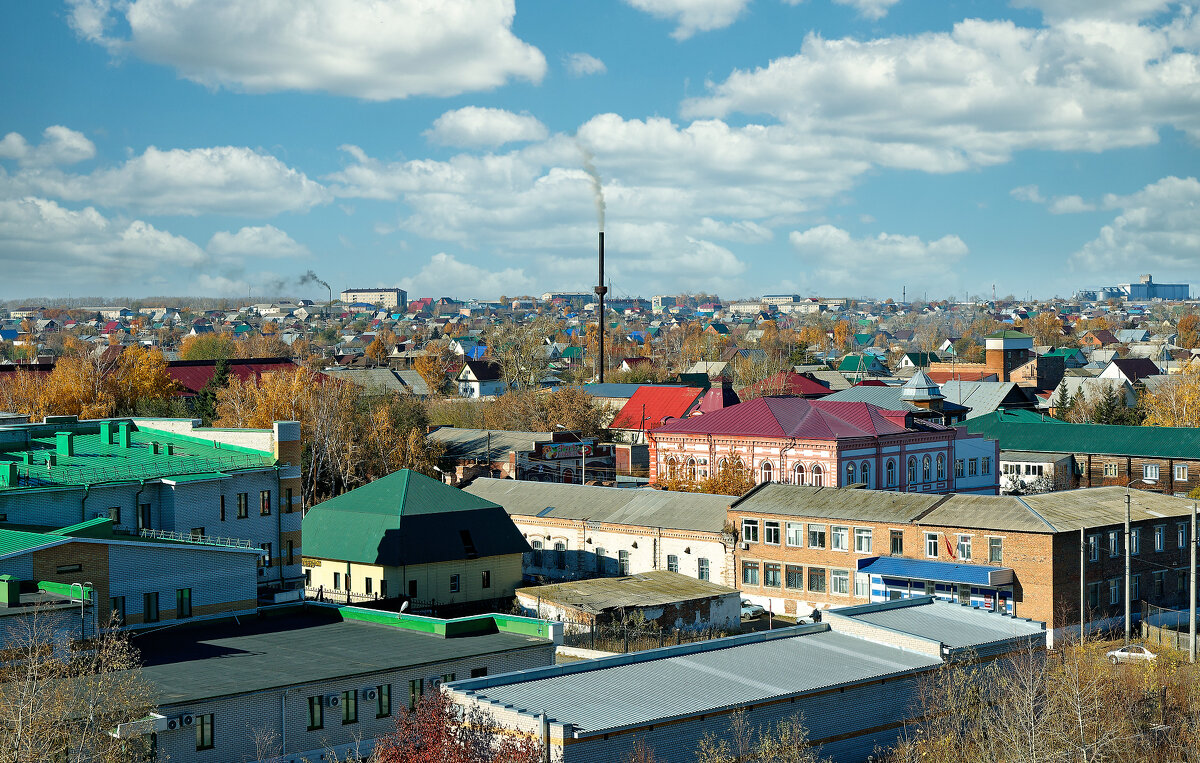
x=650, y=406
x=829, y=444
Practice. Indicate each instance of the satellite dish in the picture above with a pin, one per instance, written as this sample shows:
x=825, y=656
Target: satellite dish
x=404, y=607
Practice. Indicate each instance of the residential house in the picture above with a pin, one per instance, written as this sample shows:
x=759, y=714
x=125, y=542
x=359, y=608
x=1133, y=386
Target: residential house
x=1131, y=371
x=650, y=406
x=560, y=456
x=480, y=378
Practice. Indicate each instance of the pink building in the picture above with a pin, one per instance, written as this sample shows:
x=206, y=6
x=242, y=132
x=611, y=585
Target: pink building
x=831, y=444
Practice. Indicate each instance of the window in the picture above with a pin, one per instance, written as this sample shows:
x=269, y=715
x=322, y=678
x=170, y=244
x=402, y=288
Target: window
x=622, y=562
x=995, y=550
x=750, y=530
x=1181, y=472
x=291, y=552
x=1135, y=541
x=1114, y=591
x=150, y=607
x=1110, y=470
x=560, y=555
x=144, y=516
x=243, y=505
x=798, y=472
x=839, y=582
x=114, y=513
x=1160, y=539
x=890, y=470
x=264, y=502
x=454, y=584
x=478, y=672
x=1181, y=534
x=485, y=579
x=865, y=473
x=958, y=468
x=818, y=476
x=816, y=536
x=1150, y=472
x=183, y=602
x=862, y=540
x=985, y=465
x=287, y=500
x=117, y=605
x=849, y=474
x=349, y=707
x=839, y=538
x=1159, y=581
x=1094, y=548
x=1135, y=589
x=795, y=534
x=794, y=576
x=925, y=473
x=416, y=687
x=912, y=470
x=66, y=569
x=816, y=580
x=204, y=731
x=383, y=587
x=941, y=466
x=862, y=586
x=383, y=700
x=771, y=575
x=672, y=563
x=265, y=559
x=222, y=508
x=536, y=560
x=1093, y=595
x=766, y=471
x=972, y=467
x=897, y=542
x=316, y=713
x=337, y=581
x=964, y=548
x=447, y=677
x=749, y=573
x=931, y=545
x=702, y=568
x=197, y=532
x=771, y=532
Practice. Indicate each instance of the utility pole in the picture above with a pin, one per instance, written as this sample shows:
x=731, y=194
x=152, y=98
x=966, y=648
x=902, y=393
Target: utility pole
x=1128, y=577
x=1082, y=584
x=1192, y=593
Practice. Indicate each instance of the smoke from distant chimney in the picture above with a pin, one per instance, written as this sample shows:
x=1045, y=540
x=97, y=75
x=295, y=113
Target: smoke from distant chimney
x=311, y=277
x=597, y=188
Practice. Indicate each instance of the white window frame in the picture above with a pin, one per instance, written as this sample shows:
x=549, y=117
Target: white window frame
x=964, y=547
x=1111, y=469
x=995, y=541
x=931, y=537
x=842, y=533
x=814, y=528
x=862, y=540
x=842, y=576
x=1114, y=591
x=1150, y=472
x=862, y=585
x=1181, y=472
x=747, y=526
x=1093, y=548
x=1114, y=543
x=771, y=527
x=1160, y=538
x=794, y=531
x=1135, y=541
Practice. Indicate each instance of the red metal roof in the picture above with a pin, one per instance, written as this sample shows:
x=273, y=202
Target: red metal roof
x=192, y=375
x=791, y=417
x=789, y=383
x=660, y=402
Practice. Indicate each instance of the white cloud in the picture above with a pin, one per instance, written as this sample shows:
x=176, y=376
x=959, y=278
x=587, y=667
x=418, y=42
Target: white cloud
x=222, y=180
x=446, y=274
x=265, y=241
x=1157, y=230
x=870, y=9
x=948, y=101
x=837, y=260
x=474, y=126
x=44, y=246
x=737, y=230
x=693, y=16
x=1118, y=10
x=583, y=64
x=1067, y=205
x=1028, y=193
x=60, y=145
x=360, y=48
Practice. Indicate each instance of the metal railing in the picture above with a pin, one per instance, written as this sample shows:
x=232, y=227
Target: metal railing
x=202, y=540
x=34, y=475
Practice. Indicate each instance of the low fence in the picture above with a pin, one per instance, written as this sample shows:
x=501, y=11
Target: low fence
x=1165, y=627
x=632, y=638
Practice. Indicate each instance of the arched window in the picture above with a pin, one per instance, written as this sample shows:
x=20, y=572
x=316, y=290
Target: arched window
x=560, y=555
x=891, y=473
x=912, y=470
x=672, y=468
x=850, y=474
x=866, y=473
x=766, y=471
x=941, y=466
x=818, y=475
x=568, y=476
x=537, y=553
x=925, y=473
x=689, y=470
x=798, y=473
x=722, y=465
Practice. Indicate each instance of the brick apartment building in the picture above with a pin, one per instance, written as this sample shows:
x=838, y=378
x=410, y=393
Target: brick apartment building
x=802, y=548
x=1160, y=459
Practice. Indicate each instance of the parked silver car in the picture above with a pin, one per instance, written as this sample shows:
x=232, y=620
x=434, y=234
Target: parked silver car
x=1131, y=653
x=750, y=610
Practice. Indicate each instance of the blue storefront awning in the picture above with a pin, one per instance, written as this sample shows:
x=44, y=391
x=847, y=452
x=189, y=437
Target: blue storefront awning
x=940, y=572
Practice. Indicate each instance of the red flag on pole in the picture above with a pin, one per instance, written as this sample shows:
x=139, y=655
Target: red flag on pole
x=949, y=547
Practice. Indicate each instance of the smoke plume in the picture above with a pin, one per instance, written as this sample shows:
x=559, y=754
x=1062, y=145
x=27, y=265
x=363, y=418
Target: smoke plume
x=311, y=277
x=597, y=188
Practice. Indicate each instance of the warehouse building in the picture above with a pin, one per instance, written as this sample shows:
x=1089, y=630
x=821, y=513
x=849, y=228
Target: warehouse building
x=855, y=678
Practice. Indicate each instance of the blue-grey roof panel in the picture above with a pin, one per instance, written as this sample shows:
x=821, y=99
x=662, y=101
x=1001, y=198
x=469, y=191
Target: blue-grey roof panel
x=928, y=569
x=954, y=625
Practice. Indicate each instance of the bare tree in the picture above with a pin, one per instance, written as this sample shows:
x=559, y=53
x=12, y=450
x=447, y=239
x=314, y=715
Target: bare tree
x=521, y=351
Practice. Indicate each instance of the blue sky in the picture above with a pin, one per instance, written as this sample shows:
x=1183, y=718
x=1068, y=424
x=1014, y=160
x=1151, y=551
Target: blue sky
x=836, y=147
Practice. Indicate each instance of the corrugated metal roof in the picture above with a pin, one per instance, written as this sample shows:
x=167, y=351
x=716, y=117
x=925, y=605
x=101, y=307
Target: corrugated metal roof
x=931, y=569
x=789, y=417
x=490, y=444
x=1027, y=432
x=987, y=512
x=647, y=589
x=729, y=672
x=1099, y=506
x=954, y=625
x=655, y=403
x=981, y=397
x=836, y=503
x=612, y=505
x=16, y=541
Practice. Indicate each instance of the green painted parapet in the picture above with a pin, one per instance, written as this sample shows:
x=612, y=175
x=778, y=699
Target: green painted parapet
x=65, y=589
x=452, y=628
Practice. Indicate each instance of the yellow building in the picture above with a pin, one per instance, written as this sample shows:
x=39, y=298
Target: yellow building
x=408, y=535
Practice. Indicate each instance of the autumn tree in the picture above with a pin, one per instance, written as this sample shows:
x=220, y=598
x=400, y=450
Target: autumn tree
x=377, y=352
x=520, y=350
x=207, y=347
x=140, y=378
x=745, y=742
x=442, y=732
x=1175, y=403
x=545, y=411
x=730, y=477
x=1188, y=329
x=260, y=346
x=1046, y=328
x=434, y=365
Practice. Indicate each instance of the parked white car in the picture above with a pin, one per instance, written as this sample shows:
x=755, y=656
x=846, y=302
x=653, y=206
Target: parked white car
x=751, y=610
x=1131, y=653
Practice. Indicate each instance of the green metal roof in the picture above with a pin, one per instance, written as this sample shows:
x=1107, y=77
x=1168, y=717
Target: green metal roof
x=1008, y=334
x=16, y=541
x=100, y=527
x=1026, y=430
x=408, y=518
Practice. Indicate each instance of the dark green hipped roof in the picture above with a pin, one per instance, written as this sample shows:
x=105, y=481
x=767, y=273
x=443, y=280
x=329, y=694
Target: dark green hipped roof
x=408, y=518
x=1030, y=431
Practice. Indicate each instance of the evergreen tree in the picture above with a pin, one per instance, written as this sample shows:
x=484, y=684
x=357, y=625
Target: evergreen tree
x=206, y=399
x=1061, y=403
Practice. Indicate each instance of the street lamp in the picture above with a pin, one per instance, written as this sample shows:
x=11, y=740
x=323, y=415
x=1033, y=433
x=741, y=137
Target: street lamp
x=1129, y=559
x=83, y=587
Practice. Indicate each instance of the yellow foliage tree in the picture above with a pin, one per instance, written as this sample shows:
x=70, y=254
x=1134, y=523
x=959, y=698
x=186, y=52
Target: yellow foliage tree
x=207, y=347
x=377, y=352
x=1175, y=403
x=140, y=376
